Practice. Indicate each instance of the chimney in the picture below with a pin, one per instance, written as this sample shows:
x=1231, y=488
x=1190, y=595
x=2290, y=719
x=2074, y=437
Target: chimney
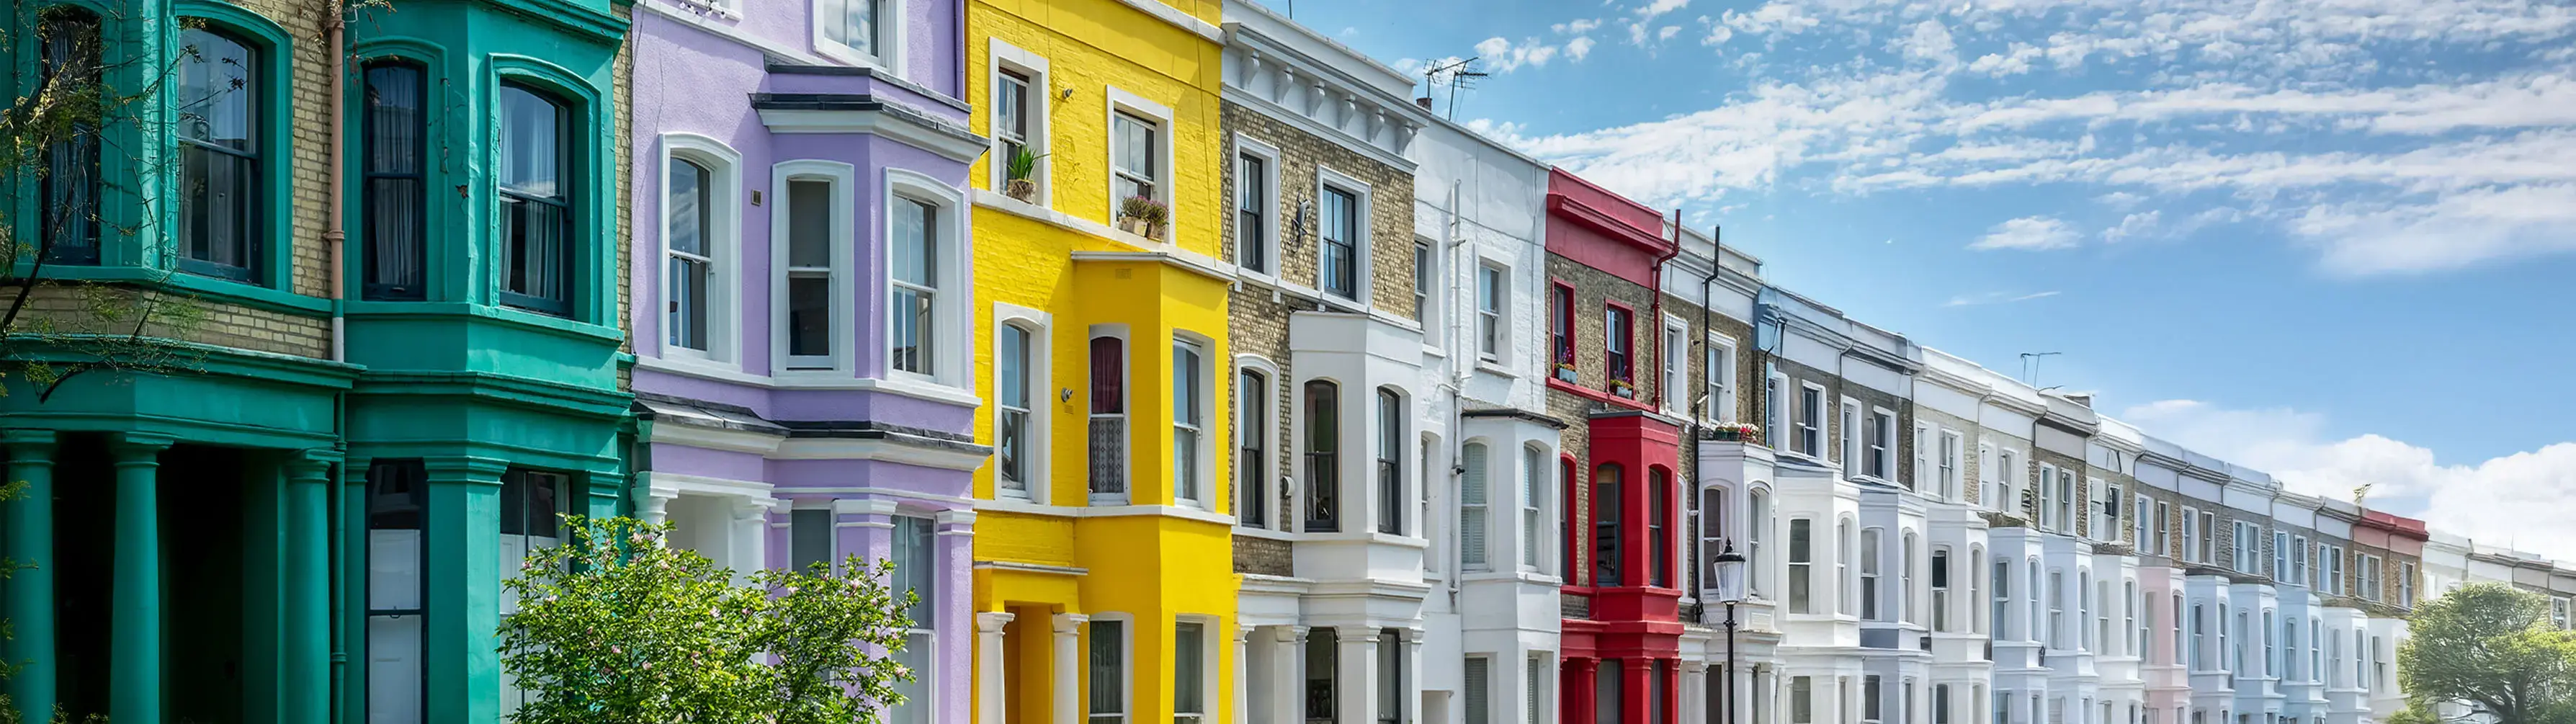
x=1424, y=102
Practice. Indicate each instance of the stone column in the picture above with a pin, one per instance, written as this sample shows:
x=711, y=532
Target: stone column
x=134, y=613
x=1635, y=689
x=989, y=673
x=1693, y=694
x=1355, y=672
x=461, y=589
x=648, y=506
x=28, y=523
x=1413, y=677
x=307, y=645
x=1288, y=675
x=1242, y=683
x=1068, y=667
x=1574, y=685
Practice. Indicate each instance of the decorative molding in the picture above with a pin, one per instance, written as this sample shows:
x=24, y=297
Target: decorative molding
x=858, y=113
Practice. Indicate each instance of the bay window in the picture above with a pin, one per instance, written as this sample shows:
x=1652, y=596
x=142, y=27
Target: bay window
x=536, y=202
x=1252, y=391
x=1390, y=471
x=221, y=153
x=1189, y=422
x=395, y=126
x=1472, y=498
x=1323, y=474
x=916, y=571
x=1011, y=351
x=1108, y=443
x=68, y=176
x=1608, y=519
x=913, y=325
x=397, y=506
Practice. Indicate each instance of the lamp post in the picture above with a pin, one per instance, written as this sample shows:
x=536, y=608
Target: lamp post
x=1730, y=591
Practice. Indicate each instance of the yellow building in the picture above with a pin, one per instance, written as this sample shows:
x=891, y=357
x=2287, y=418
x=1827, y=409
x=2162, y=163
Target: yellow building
x=1104, y=584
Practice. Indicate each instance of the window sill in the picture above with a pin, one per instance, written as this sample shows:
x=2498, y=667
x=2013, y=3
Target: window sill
x=221, y=290
x=1491, y=367
x=811, y=380
x=542, y=322
x=988, y=199
x=697, y=362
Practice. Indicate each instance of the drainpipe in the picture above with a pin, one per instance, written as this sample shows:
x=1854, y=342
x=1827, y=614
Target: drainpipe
x=1717, y=267
x=1656, y=310
x=332, y=237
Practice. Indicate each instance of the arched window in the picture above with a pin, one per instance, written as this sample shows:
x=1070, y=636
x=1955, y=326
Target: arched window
x=395, y=230
x=1533, y=491
x=1108, y=447
x=536, y=202
x=1608, y=519
x=691, y=271
x=220, y=146
x=1323, y=475
x=1011, y=360
x=1252, y=403
x=68, y=180
x=1390, y=469
x=1472, y=493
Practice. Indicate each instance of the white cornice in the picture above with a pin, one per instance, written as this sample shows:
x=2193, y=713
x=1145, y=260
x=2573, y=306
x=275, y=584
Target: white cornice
x=780, y=447
x=879, y=122
x=1312, y=127
x=1174, y=17
x=763, y=444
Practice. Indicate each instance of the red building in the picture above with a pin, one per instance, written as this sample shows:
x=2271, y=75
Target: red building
x=1622, y=631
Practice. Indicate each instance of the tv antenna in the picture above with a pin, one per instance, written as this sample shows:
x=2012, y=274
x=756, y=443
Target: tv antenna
x=1458, y=74
x=2030, y=366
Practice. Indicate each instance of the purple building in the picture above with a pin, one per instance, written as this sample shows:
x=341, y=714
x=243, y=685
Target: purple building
x=802, y=374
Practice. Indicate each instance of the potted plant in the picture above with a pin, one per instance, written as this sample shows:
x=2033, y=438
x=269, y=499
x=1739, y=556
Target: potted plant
x=1623, y=389
x=1734, y=432
x=1143, y=216
x=1020, y=174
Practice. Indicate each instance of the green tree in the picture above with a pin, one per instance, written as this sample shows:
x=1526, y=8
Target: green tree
x=615, y=626
x=2493, y=650
x=56, y=148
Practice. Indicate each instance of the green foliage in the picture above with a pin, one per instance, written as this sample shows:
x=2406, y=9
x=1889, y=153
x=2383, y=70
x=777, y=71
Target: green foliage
x=1022, y=165
x=615, y=626
x=2491, y=648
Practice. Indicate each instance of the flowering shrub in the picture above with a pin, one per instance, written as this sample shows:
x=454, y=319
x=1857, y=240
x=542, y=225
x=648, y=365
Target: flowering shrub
x=615, y=626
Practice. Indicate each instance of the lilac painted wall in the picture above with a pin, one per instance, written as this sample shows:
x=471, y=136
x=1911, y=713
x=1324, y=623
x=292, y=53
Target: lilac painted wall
x=695, y=73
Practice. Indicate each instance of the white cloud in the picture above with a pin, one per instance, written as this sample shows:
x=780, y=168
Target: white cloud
x=2028, y=233
x=1501, y=55
x=2133, y=226
x=2523, y=497
x=1577, y=48
x=1971, y=300
x=1930, y=40
x=2015, y=61
x=1575, y=27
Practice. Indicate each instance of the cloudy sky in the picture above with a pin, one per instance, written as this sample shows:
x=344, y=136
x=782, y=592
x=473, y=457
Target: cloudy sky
x=2331, y=239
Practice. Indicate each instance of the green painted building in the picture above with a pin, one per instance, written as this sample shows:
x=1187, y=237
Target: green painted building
x=299, y=504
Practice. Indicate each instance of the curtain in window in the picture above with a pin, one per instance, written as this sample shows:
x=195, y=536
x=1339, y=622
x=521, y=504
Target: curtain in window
x=536, y=250
x=1108, y=416
x=1189, y=672
x=852, y=23
x=1108, y=671
x=394, y=228
x=69, y=185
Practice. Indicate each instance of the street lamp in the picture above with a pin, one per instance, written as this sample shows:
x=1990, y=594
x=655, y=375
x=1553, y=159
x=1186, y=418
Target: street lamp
x=1730, y=591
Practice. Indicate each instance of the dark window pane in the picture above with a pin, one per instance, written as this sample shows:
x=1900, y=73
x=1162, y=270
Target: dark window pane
x=810, y=536
x=537, y=218
x=394, y=227
x=218, y=101
x=1108, y=376
x=70, y=172
x=809, y=316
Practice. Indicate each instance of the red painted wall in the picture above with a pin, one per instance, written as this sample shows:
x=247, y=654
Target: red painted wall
x=1603, y=230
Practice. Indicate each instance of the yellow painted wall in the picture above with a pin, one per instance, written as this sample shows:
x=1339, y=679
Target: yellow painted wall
x=1151, y=567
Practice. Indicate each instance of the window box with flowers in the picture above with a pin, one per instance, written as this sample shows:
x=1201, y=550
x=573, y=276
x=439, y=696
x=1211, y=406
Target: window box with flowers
x=1143, y=216
x=1623, y=389
x=1734, y=432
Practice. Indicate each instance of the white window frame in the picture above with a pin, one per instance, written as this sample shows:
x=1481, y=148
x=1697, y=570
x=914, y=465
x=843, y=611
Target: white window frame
x=2299, y=561
x=2138, y=522
x=2094, y=489
x=1674, y=358
x=1035, y=456
x=1428, y=293
x=844, y=324
x=928, y=681
x=2190, y=535
x=1363, y=288
x=1851, y=422
x=2047, y=497
x=1126, y=407
x=1873, y=567
x=2008, y=477
x=950, y=354
x=1886, y=441
x=1537, y=485
x=2164, y=528
x=1001, y=56
x=2280, y=555
x=1272, y=214
x=1126, y=666
x=2066, y=520
x=1718, y=374
x=724, y=251
x=1205, y=349
x=1480, y=556
x=1923, y=478
x=1209, y=696
x=1121, y=101
x=1811, y=423
x=1953, y=452
x=891, y=37
x=1989, y=495
x=1494, y=308
x=1267, y=430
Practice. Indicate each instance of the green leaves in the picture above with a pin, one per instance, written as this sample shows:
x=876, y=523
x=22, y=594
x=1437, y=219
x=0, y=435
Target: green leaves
x=615, y=626
x=2493, y=648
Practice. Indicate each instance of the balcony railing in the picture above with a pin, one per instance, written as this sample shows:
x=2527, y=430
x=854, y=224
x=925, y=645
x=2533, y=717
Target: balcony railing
x=1109, y=455
x=1323, y=488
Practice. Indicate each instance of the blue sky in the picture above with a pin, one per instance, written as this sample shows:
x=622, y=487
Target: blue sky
x=2329, y=240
